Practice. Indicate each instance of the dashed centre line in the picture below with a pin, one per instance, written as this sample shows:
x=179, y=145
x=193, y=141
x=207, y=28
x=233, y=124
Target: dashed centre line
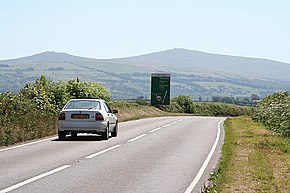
x=136, y=138
x=34, y=179
x=67, y=166
x=103, y=151
x=167, y=125
x=153, y=130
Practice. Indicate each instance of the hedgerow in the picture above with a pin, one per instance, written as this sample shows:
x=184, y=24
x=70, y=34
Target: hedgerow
x=274, y=112
x=32, y=113
x=184, y=104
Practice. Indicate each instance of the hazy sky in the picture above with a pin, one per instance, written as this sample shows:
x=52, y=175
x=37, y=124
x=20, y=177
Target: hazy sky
x=120, y=28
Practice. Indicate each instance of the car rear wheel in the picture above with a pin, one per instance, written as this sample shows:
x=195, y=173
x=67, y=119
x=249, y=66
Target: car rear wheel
x=105, y=134
x=116, y=129
x=74, y=134
x=61, y=135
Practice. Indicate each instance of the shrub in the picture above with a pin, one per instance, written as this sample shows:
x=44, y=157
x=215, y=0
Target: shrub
x=33, y=112
x=184, y=104
x=274, y=112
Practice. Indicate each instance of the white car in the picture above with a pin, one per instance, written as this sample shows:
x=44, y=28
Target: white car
x=87, y=116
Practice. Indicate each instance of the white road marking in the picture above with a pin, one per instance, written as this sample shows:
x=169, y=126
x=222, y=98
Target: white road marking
x=180, y=120
x=204, y=165
x=34, y=179
x=103, y=151
x=153, y=130
x=14, y=147
x=167, y=125
x=136, y=138
x=174, y=122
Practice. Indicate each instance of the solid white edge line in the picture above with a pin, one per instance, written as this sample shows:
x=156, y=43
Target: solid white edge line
x=103, y=151
x=204, y=165
x=153, y=130
x=23, y=145
x=136, y=138
x=34, y=179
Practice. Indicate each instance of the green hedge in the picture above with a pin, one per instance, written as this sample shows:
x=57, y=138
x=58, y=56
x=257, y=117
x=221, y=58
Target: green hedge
x=274, y=112
x=32, y=113
x=184, y=104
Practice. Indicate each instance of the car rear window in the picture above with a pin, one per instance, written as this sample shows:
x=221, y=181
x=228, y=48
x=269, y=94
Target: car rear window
x=83, y=105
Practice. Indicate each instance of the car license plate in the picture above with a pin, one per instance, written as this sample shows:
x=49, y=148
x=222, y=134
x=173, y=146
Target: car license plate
x=79, y=116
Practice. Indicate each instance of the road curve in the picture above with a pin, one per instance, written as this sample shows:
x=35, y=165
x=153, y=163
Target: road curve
x=165, y=154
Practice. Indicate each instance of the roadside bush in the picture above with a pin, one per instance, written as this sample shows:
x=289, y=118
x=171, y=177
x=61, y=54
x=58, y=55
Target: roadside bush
x=219, y=109
x=78, y=89
x=21, y=120
x=184, y=104
x=274, y=112
x=32, y=113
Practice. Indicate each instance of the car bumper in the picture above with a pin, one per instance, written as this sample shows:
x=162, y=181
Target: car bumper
x=82, y=126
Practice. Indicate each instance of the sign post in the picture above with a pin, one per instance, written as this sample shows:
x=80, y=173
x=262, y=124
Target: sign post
x=160, y=89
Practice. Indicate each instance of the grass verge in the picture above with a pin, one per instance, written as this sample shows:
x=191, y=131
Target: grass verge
x=253, y=159
x=132, y=111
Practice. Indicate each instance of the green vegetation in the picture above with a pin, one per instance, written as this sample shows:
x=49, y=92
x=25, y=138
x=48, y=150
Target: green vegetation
x=132, y=110
x=184, y=104
x=253, y=159
x=274, y=113
x=32, y=113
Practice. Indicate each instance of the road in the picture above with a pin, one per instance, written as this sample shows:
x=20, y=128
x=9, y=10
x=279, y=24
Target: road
x=165, y=154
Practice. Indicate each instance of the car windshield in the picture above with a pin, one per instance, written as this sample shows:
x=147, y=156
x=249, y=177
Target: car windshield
x=83, y=105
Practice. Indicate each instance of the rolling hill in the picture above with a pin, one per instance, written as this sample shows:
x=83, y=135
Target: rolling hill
x=194, y=73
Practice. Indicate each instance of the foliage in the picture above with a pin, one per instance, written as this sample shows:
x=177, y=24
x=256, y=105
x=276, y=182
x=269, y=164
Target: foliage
x=78, y=89
x=47, y=95
x=32, y=113
x=184, y=104
x=21, y=119
x=141, y=100
x=274, y=112
x=237, y=100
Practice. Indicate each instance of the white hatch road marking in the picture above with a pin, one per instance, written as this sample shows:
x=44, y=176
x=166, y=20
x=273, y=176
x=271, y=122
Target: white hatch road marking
x=103, y=151
x=14, y=147
x=204, y=165
x=34, y=179
x=153, y=130
x=136, y=138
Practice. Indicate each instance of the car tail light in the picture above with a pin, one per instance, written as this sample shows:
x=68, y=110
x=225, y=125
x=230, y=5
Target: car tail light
x=99, y=117
x=61, y=116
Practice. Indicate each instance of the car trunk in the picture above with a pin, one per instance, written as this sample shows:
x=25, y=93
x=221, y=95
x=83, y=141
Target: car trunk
x=81, y=115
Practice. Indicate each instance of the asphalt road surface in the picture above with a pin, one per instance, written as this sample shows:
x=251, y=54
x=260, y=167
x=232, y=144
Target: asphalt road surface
x=166, y=154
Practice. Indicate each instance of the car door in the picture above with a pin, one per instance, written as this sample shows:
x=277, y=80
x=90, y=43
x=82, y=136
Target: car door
x=112, y=118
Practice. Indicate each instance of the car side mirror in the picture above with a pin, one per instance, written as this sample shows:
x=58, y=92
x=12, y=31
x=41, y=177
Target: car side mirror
x=115, y=111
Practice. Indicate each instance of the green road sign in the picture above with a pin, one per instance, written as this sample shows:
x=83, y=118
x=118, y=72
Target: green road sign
x=160, y=89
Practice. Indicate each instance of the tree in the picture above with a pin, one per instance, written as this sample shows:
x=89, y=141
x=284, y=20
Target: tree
x=77, y=89
x=255, y=97
x=184, y=102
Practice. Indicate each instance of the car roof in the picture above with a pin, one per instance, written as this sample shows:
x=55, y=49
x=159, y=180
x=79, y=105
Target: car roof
x=86, y=100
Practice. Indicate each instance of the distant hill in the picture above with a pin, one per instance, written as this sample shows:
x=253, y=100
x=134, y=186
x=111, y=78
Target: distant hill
x=194, y=73
x=194, y=61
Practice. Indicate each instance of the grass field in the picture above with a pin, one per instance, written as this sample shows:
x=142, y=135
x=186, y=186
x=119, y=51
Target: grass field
x=254, y=159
